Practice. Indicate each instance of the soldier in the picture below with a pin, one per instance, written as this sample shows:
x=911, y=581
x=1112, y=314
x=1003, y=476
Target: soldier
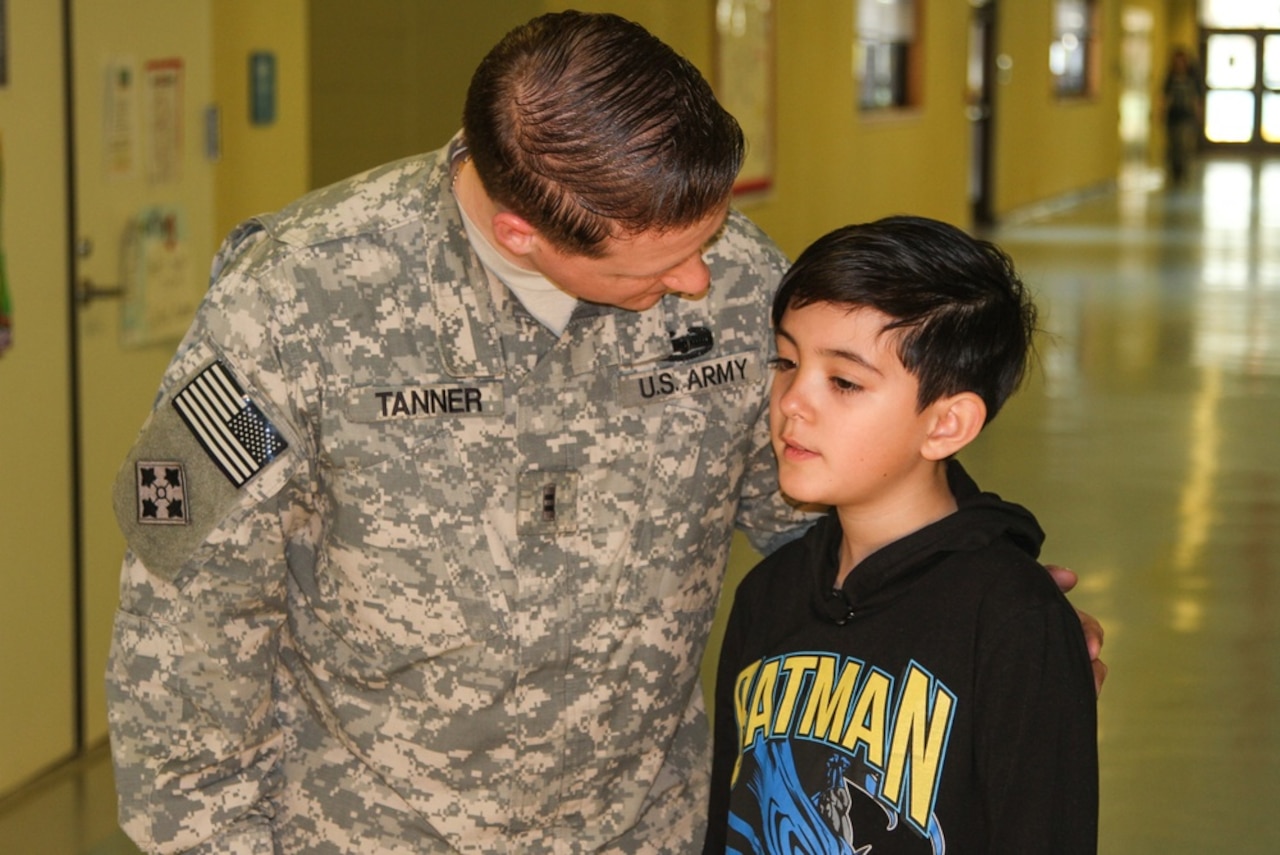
x=428, y=524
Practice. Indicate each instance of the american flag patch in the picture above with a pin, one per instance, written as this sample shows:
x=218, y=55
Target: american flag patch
x=230, y=427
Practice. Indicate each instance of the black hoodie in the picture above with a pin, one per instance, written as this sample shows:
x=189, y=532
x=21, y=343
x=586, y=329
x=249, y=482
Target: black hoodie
x=940, y=701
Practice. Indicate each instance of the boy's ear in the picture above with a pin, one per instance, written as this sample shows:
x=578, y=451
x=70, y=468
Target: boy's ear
x=957, y=419
x=513, y=232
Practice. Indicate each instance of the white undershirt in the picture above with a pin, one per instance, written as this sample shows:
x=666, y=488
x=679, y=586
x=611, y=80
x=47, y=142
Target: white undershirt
x=551, y=306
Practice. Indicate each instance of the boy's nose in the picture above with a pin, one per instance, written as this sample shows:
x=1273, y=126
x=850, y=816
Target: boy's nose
x=791, y=402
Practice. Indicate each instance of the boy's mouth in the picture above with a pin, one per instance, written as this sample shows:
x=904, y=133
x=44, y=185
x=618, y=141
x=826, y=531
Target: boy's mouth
x=794, y=450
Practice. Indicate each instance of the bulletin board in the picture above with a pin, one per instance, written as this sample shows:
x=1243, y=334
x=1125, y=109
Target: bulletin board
x=158, y=300
x=745, y=84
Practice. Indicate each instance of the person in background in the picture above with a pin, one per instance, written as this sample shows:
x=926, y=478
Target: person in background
x=904, y=678
x=428, y=524
x=1183, y=113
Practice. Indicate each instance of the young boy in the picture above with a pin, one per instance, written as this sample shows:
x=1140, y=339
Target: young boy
x=905, y=678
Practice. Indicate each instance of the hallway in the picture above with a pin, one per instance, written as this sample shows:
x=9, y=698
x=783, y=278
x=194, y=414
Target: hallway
x=1146, y=442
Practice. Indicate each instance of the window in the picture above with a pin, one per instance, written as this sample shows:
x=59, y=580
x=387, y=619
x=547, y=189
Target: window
x=1242, y=71
x=885, y=49
x=1071, y=53
x=1240, y=14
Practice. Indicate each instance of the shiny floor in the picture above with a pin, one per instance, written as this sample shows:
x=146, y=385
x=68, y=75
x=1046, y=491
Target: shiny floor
x=1148, y=442
x=1149, y=446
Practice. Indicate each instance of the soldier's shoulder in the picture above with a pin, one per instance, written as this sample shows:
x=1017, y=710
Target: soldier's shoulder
x=372, y=205
x=744, y=245
x=377, y=199
x=741, y=234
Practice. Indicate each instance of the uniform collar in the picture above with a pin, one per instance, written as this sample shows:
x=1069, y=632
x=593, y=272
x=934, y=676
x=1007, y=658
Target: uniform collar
x=461, y=309
x=647, y=338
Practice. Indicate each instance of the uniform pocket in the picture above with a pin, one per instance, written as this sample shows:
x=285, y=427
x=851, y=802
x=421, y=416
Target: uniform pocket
x=677, y=553
x=399, y=528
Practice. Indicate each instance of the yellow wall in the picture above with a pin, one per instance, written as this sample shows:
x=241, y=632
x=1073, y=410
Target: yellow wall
x=687, y=27
x=837, y=165
x=390, y=84
x=388, y=77
x=834, y=165
x=37, y=658
x=1047, y=146
x=262, y=166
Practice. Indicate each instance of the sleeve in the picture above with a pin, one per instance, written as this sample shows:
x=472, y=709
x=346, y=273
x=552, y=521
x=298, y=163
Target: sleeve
x=203, y=499
x=1036, y=742
x=724, y=756
x=763, y=514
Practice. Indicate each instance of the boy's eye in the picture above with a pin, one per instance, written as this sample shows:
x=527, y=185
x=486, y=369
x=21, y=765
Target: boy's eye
x=843, y=385
x=779, y=363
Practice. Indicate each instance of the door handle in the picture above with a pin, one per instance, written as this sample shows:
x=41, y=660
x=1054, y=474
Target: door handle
x=87, y=292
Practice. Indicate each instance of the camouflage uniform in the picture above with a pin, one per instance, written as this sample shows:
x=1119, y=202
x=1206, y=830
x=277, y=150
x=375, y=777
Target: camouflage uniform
x=409, y=573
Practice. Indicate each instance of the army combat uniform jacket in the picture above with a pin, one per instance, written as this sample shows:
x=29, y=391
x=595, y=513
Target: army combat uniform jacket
x=408, y=573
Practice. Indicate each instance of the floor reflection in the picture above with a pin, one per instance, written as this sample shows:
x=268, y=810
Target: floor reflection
x=1148, y=446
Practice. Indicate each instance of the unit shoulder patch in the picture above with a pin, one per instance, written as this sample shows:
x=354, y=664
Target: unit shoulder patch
x=161, y=491
x=204, y=453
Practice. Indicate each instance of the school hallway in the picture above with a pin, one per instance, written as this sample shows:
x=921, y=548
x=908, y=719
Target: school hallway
x=1146, y=442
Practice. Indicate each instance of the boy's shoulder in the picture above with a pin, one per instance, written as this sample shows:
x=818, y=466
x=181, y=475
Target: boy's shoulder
x=1005, y=576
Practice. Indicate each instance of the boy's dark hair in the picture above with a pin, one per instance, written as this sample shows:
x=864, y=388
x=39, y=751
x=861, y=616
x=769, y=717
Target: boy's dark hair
x=965, y=317
x=589, y=127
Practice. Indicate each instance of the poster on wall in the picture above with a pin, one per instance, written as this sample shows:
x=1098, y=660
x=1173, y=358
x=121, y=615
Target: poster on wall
x=119, y=119
x=163, y=102
x=159, y=301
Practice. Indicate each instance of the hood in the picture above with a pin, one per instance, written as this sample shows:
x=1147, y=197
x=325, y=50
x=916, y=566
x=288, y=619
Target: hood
x=887, y=573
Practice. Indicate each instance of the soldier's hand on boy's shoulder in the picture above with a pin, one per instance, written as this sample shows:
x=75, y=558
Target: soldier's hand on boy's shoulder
x=1093, y=635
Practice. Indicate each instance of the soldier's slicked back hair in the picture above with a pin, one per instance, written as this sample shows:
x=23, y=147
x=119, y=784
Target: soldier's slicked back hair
x=965, y=319
x=589, y=127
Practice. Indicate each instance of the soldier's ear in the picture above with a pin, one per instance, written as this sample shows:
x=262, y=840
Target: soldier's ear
x=513, y=233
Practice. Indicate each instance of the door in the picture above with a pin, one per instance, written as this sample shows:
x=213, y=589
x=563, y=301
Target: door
x=143, y=222
x=1242, y=88
x=37, y=634
x=1137, y=25
x=980, y=107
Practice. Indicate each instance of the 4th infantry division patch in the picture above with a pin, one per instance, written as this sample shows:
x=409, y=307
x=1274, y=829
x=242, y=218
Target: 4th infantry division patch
x=161, y=493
